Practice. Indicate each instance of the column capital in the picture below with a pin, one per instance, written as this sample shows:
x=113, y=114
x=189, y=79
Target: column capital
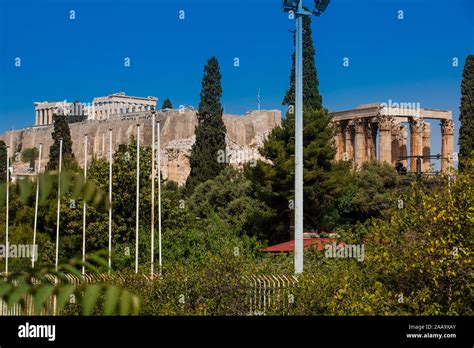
x=447, y=127
x=359, y=125
x=404, y=132
x=385, y=122
x=396, y=129
x=416, y=124
x=426, y=128
x=349, y=127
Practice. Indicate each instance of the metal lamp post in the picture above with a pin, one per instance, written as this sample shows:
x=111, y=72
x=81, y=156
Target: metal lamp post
x=296, y=7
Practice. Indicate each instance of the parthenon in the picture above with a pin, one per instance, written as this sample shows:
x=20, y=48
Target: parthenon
x=100, y=109
x=357, y=132
x=119, y=103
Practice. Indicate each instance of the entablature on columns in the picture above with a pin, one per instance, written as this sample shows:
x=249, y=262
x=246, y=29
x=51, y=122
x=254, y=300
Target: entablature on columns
x=402, y=112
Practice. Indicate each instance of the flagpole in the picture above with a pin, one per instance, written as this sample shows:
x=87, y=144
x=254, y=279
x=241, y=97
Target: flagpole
x=138, y=198
x=84, y=209
x=110, y=199
x=159, y=195
x=7, y=244
x=36, y=206
x=59, y=200
x=152, y=248
x=258, y=99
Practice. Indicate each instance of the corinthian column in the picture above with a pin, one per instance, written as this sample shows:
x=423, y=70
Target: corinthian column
x=339, y=142
x=359, y=142
x=416, y=140
x=426, y=147
x=369, y=143
x=349, y=146
x=385, y=138
x=395, y=142
x=447, y=143
x=403, y=143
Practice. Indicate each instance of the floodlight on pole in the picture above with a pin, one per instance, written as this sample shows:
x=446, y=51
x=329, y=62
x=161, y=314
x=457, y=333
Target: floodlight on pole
x=137, y=218
x=296, y=7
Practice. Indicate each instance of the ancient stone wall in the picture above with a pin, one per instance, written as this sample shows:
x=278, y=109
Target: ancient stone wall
x=244, y=134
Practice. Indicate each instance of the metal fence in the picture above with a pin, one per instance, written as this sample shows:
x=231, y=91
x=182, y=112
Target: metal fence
x=266, y=293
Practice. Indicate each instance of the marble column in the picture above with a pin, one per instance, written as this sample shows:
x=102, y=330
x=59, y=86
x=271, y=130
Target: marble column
x=447, y=144
x=404, y=143
x=416, y=141
x=339, y=141
x=385, y=138
x=359, y=126
x=50, y=116
x=37, y=117
x=349, y=146
x=395, y=142
x=426, y=147
x=371, y=139
x=368, y=140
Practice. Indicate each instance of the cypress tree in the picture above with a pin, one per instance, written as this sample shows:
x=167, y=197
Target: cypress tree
x=206, y=154
x=466, y=115
x=3, y=161
x=311, y=97
x=167, y=104
x=61, y=130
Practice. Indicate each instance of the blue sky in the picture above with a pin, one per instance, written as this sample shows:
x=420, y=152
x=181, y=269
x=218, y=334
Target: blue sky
x=408, y=60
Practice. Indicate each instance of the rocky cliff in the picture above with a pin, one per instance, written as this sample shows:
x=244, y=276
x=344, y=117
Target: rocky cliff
x=245, y=134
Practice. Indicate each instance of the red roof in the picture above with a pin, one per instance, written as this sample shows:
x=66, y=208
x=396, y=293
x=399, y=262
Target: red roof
x=315, y=243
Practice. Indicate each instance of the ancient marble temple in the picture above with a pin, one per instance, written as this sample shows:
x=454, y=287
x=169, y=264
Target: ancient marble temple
x=383, y=129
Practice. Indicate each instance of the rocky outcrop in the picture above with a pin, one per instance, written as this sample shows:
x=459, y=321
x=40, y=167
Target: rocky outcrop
x=245, y=134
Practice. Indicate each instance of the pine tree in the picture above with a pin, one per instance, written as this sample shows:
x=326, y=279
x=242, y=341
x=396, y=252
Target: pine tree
x=206, y=154
x=311, y=97
x=466, y=115
x=61, y=130
x=3, y=161
x=274, y=182
x=167, y=104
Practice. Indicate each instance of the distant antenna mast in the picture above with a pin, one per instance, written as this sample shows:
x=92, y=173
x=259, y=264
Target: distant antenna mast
x=258, y=99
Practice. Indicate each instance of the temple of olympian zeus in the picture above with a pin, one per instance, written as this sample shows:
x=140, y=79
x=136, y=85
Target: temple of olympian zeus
x=100, y=109
x=357, y=130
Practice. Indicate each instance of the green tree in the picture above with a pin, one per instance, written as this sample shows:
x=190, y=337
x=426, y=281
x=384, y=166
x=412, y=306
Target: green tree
x=230, y=196
x=3, y=161
x=61, y=131
x=30, y=155
x=167, y=104
x=466, y=115
x=311, y=97
x=274, y=182
x=210, y=132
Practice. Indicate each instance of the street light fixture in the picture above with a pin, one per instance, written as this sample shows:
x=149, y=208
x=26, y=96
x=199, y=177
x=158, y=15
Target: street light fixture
x=296, y=6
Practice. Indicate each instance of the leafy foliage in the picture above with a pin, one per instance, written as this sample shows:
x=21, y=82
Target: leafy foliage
x=274, y=182
x=45, y=286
